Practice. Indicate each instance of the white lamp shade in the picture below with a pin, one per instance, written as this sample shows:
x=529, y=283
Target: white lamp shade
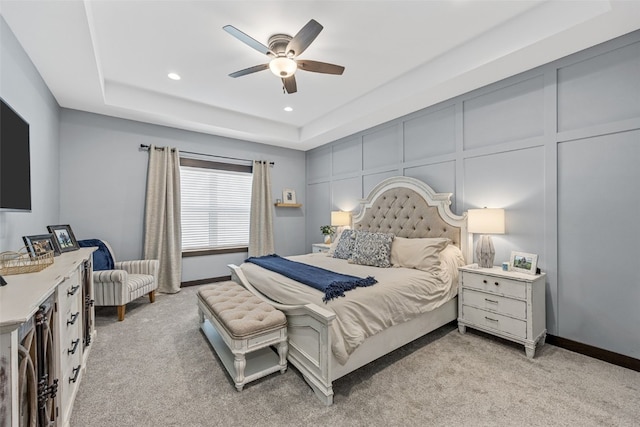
x=485, y=221
x=283, y=67
x=340, y=218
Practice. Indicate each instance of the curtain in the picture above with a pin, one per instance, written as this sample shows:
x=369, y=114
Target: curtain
x=162, y=227
x=261, y=223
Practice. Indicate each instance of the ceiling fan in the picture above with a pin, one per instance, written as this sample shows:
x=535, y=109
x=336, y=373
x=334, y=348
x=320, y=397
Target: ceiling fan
x=284, y=51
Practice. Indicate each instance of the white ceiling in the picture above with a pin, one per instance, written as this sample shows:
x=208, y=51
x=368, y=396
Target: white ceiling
x=112, y=57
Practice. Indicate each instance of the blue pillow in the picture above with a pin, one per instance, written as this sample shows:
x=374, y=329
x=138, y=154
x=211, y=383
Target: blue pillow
x=102, y=259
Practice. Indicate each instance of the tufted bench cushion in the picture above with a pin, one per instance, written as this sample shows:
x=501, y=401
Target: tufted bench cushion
x=241, y=328
x=241, y=313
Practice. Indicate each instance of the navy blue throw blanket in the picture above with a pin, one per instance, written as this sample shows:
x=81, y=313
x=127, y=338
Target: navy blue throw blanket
x=102, y=259
x=331, y=283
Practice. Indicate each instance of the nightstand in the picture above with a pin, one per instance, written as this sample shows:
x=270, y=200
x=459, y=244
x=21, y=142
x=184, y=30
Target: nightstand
x=320, y=247
x=507, y=304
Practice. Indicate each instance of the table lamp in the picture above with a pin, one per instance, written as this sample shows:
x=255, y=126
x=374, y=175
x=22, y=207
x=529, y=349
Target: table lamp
x=340, y=219
x=485, y=221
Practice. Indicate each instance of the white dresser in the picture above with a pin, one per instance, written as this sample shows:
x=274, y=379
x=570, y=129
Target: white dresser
x=507, y=304
x=46, y=328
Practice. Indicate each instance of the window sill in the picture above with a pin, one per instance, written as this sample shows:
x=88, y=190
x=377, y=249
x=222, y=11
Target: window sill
x=206, y=252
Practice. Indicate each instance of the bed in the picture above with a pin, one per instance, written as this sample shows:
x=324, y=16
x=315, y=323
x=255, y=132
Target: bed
x=321, y=346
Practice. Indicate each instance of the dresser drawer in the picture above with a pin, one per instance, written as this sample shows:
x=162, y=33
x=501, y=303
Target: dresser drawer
x=495, y=303
x=496, y=285
x=489, y=320
x=69, y=293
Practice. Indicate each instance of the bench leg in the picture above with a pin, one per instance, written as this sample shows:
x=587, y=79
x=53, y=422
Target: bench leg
x=239, y=363
x=283, y=348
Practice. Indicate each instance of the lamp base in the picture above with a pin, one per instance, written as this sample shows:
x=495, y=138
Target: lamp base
x=485, y=252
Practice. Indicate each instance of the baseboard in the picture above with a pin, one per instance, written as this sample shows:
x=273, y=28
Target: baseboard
x=595, y=352
x=204, y=281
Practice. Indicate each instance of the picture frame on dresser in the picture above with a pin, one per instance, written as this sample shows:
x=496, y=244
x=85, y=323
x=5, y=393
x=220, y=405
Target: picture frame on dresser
x=40, y=244
x=63, y=237
x=523, y=262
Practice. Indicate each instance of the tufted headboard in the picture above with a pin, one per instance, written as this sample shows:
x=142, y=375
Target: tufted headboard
x=407, y=207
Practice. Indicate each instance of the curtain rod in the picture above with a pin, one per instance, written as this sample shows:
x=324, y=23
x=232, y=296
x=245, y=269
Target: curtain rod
x=146, y=147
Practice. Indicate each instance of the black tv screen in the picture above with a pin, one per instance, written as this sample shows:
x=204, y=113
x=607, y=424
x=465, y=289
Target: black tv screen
x=15, y=164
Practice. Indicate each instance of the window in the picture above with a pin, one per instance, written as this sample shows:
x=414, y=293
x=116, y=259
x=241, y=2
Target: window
x=215, y=206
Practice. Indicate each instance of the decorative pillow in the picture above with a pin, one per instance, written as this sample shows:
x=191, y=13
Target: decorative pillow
x=372, y=249
x=102, y=259
x=334, y=242
x=344, y=247
x=421, y=254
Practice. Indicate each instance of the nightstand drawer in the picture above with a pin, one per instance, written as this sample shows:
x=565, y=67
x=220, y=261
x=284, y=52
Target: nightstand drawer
x=495, y=303
x=487, y=319
x=493, y=284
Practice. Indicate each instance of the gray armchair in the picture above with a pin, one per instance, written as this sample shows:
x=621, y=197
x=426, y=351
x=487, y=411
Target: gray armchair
x=127, y=281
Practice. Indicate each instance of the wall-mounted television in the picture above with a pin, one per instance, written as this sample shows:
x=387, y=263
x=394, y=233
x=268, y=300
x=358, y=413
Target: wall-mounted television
x=15, y=161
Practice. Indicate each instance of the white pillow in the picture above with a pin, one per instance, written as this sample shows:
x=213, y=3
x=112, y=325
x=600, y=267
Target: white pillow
x=450, y=259
x=421, y=254
x=334, y=242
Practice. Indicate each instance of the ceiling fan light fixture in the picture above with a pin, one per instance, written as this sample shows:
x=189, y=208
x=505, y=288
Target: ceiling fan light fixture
x=283, y=67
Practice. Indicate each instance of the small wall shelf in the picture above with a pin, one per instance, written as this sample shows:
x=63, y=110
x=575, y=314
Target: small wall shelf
x=288, y=205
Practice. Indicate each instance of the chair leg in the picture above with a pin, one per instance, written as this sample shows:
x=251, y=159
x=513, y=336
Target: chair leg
x=152, y=296
x=121, y=312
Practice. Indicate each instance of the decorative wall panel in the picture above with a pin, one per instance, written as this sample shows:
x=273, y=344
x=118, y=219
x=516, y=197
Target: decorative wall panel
x=319, y=164
x=598, y=251
x=600, y=90
x=381, y=148
x=430, y=135
x=510, y=113
x=347, y=157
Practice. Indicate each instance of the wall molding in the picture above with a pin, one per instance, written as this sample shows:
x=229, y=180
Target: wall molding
x=204, y=281
x=595, y=352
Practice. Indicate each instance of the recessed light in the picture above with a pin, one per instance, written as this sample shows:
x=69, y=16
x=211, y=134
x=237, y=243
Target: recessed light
x=288, y=109
x=173, y=76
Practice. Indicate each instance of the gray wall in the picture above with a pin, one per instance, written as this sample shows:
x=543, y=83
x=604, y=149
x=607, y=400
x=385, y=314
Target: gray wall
x=558, y=147
x=103, y=179
x=24, y=90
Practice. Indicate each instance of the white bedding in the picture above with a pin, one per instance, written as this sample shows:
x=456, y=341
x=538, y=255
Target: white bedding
x=400, y=295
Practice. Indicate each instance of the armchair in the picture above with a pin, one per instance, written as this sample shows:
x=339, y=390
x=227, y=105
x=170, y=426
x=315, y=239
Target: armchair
x=118, y=283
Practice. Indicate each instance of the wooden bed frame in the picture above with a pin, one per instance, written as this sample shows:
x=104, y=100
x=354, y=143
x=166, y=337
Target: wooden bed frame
x=395, y=205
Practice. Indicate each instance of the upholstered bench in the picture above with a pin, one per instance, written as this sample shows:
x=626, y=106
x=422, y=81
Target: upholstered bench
x=241, y=328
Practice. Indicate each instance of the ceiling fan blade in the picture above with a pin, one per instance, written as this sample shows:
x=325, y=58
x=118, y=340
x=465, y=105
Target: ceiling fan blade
x=290, y=84
x=301, y=41
x=248, y=40
x=319, y=67
x=249, y=70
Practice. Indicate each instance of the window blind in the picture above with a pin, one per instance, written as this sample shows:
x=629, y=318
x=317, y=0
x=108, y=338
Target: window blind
x=215, y=206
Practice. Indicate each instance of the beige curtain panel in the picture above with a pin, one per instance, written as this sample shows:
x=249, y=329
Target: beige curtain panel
x=261, y=222
x=162, y=226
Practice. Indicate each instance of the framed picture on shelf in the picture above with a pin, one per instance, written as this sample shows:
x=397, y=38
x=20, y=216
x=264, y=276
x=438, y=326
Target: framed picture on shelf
x=63, y=238
x=288, y=196
x=40, y=245
x=523, y=262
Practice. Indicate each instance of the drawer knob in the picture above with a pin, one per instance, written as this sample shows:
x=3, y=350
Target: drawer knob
x=490, y=319
x=484, y=281
x=491, y=301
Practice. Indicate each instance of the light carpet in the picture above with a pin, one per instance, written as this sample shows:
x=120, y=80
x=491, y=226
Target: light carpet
x=157, y=369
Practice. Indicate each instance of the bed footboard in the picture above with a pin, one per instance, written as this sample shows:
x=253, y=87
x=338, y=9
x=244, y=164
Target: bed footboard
x=309, y=339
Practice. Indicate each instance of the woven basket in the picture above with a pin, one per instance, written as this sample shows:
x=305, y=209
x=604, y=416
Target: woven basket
x=21, y=262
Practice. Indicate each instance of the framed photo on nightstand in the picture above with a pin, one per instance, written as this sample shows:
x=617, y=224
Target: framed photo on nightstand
x=523, y=262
